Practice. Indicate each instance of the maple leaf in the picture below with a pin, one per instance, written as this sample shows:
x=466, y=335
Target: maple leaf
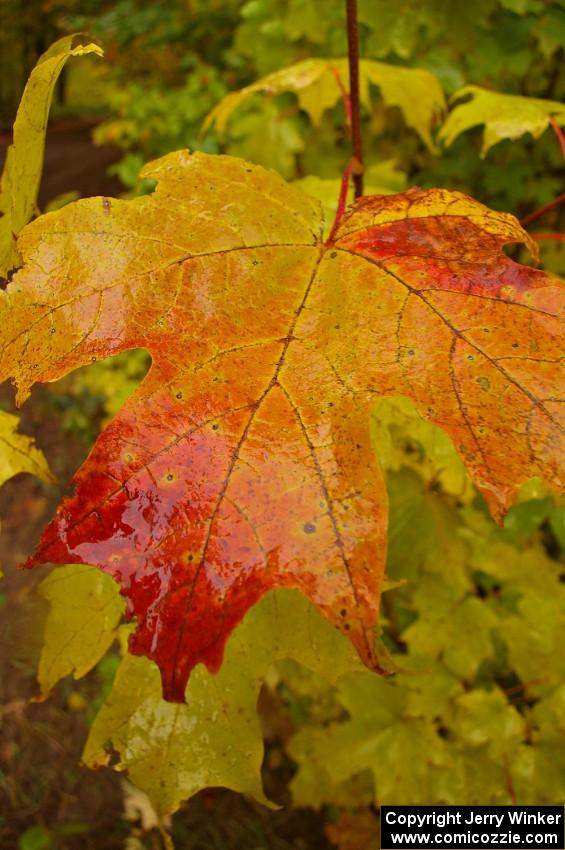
x=505, y=116
x=319, y=84
x=19, y=453
x=76, y=636
x=244, y=460
x=174, y=751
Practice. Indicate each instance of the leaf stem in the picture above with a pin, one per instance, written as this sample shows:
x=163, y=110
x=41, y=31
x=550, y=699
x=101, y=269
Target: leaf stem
x=558, y=132
x=344, y=94
x=341, y=202
x=353, y=55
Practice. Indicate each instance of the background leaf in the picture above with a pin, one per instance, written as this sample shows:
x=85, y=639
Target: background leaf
x=19, y=184
x=505, y=116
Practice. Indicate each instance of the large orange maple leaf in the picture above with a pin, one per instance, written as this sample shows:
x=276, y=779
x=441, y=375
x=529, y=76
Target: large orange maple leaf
x=244, y=461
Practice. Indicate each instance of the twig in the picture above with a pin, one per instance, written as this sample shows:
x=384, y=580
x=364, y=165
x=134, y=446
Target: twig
x=561, y=198
x=541, y=237
x=542, y=210
x=353, y=55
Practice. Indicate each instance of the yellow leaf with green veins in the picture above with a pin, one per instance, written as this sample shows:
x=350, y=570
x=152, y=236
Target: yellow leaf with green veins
x=18, y=453
x=505, y=116
x=85, y=608
x=415, y=91
x=172, y=751
x=19, y=185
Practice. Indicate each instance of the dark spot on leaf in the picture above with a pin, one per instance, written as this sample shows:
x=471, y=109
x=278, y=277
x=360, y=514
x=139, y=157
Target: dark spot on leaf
x=215, y=426
x=179, y=395
x=170, y=476
x=333, y=255
x=309, y=527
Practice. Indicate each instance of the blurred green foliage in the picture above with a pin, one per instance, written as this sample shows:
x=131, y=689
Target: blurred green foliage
x=170, y=62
